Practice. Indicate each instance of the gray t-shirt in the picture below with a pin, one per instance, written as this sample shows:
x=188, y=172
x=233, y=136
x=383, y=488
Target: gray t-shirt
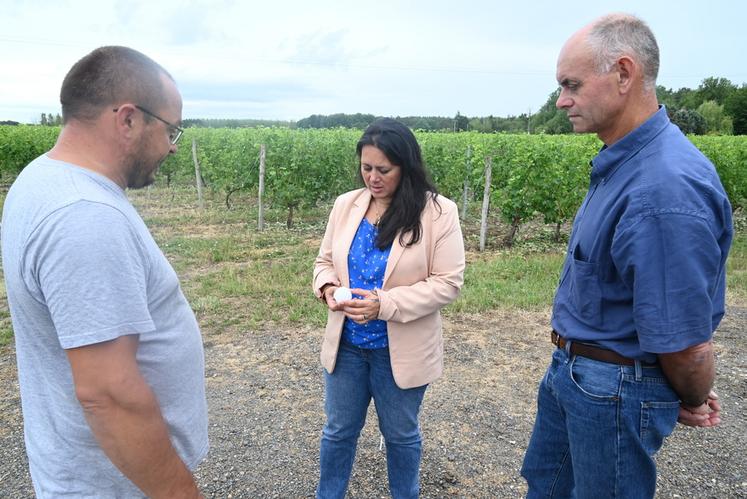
x=82, y=268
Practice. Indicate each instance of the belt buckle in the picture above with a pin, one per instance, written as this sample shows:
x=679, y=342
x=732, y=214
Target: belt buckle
x=555, y=339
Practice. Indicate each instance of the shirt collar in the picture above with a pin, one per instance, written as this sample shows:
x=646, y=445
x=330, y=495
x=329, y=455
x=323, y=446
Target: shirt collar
x=609, y=159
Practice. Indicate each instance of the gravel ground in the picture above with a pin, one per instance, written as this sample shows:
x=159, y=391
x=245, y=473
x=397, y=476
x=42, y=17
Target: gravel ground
x=265, y=400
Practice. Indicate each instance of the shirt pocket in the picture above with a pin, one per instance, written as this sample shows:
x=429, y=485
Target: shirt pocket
x=585, y=290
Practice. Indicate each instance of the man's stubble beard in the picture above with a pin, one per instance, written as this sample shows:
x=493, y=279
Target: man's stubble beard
x=139, y=174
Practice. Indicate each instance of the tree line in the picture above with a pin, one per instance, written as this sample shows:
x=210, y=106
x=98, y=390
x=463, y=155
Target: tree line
x=458, y=123
x=716, y=107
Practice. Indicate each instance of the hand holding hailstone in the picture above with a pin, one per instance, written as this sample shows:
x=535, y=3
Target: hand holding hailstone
x=342, y=294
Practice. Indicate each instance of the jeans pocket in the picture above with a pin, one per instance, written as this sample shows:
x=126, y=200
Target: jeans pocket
x=658, y=420
x=598, y=381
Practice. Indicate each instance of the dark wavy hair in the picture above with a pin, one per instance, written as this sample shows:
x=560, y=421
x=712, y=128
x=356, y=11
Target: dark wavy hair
x=399, y=145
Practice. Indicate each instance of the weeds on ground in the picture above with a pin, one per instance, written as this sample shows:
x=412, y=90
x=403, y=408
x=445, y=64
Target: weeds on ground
x=6, y=329
x=736, y=271
x=237, y=277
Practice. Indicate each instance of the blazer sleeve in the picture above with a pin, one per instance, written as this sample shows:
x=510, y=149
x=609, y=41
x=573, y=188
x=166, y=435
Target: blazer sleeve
x=442, y=285
x=324, y=269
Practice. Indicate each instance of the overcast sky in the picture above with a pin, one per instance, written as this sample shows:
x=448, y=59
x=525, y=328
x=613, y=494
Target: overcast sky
x=289, y=59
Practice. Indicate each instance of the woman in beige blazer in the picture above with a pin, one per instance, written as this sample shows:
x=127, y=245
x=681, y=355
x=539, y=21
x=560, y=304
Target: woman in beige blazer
x=398, y=245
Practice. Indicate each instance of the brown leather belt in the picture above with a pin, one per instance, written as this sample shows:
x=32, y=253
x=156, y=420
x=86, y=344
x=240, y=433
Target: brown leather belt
x=592, y=352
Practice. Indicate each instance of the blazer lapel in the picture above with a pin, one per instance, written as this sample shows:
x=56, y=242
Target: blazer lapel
x=391, y=262
x=398, y=249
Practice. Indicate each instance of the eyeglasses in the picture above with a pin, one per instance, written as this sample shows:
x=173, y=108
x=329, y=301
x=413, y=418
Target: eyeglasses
x=175, y=132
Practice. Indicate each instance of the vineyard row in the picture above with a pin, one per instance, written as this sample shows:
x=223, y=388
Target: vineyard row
x=532, y=175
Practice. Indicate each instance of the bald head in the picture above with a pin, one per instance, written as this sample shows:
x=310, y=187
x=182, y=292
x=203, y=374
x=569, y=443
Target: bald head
x=607, y=75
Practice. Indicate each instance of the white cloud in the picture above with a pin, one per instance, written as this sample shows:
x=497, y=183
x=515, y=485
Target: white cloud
x=288, y=59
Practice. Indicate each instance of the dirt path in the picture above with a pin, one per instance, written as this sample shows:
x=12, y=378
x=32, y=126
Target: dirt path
x=265, y=399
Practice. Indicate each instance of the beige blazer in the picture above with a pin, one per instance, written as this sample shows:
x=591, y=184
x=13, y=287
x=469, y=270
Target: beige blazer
x=418, y=281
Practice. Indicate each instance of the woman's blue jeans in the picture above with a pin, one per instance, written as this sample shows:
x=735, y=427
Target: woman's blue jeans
x=359, y=375
x=598, y=427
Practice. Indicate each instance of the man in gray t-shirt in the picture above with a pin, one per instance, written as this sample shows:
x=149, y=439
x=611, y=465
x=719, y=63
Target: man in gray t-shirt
x=110, y=358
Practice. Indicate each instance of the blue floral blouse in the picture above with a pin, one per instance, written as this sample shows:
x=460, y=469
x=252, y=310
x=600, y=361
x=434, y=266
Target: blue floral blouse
x=366, y=266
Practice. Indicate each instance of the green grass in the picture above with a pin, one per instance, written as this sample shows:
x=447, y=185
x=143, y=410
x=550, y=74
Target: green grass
x=736, y=271
x=6, y=336
x=236, y=277
x=239, y=246
x=526, y=280
x=512, y=279
x=273, y=288
x=6, y=328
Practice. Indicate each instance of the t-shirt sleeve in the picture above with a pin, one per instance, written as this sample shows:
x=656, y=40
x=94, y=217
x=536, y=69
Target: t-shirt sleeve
x=671, y=261
x=88, y=265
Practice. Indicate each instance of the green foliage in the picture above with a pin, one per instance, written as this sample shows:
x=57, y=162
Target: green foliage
x=489, y=124
x=303, y=166
x=358, y=121
x=234, y=123
x=689, y=121
x=719, y=90
x=545, y=175
x=711, y=89
x=729, y=156
x=19, y=145
x=670, y=98
x=714, y=89
x=717, y=123
x=461, y=123
x=6, y=326
x=550, y=119
x=50, y=119
x=448, y=161
x=736, y=107
x=736, y=272
x=533, y=175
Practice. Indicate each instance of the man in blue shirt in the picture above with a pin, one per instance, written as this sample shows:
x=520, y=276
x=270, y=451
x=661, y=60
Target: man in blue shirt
x=642, y=288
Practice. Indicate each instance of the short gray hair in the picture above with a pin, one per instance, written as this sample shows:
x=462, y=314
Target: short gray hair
x=616, y=35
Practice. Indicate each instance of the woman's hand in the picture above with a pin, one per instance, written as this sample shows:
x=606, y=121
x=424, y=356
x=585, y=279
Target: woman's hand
x=328, y=292
x=363, y=309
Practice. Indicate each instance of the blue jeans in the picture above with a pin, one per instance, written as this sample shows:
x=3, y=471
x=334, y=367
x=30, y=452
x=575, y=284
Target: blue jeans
x=598, y=427
x=359, y=375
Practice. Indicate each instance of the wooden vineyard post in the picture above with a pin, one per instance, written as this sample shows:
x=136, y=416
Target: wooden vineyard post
x=465, y=192
x=485, y=202
x=198, y=175
x=261, y=217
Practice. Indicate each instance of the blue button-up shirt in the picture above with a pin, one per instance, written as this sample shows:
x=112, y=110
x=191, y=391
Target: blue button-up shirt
x=645, y=269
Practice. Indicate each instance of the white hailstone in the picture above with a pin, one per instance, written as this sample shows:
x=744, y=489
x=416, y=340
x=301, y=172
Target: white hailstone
x=342, y=294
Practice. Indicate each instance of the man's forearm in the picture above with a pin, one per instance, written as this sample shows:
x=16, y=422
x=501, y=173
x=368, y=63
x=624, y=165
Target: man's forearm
x=131, y=431
x=690, y=372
